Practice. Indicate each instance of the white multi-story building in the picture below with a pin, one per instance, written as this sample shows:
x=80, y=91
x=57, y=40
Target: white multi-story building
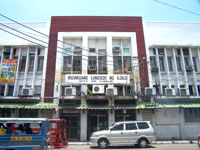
x=173, y=50
x=23, y=70
x=97, y=71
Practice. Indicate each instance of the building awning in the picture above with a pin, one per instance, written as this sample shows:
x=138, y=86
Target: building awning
x=180, y=105
x=40, y=105
x=107, y=106
x=144, y=105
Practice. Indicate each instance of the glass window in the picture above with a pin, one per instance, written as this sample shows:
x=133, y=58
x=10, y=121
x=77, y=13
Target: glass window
x=38, y=90
x=162, y=66
x=126, y=50
x=128, y=90
x=160, y=51
x=192, y=115
x=142, y=125
x=67, y=63
x=194, y=63
x=53, y=124
x=120, y=90
x=2, y=89
x=68, y=50
x=31, y=63
x=102, y=63
x=186, y=61
x=40, y=63
x=77, y=63
x=131, y=126
x=178, y=63
x=20, y=90
x=191, y=89
x=170, y=63
x=153, y=61
x=127, y=63
x=92, y=63
x=10, y=90
x=117, y=63
x=185, y=51
x=23, y=63
x=118, y=127
x=198, y=88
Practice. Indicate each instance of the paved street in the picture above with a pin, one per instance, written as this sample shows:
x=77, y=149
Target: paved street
x=152, y=147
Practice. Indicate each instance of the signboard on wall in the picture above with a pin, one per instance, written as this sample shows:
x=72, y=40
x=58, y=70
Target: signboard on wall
x=97, y=79
x=8, y=70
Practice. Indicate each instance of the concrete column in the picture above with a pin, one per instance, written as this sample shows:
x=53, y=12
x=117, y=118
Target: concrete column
x=84, y=54
x=139, y=116
x=111, y=117
x=83, y=126
x=55, y=114
x=109, y=55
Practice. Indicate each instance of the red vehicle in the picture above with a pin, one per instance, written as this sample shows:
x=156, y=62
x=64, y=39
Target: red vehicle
x=57, y=133
x=198, y=140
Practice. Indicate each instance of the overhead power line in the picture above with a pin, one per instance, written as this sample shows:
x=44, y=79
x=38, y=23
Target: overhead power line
x=46, y=36
x=43, y=33
x=177, y=7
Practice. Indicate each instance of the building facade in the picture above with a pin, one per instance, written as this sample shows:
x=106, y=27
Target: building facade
x=97, y=70
x=173, y=52
x=97, y=76
x=23, y=71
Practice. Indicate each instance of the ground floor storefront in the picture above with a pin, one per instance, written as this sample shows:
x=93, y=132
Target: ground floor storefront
x=81, y=123
x=170, y=121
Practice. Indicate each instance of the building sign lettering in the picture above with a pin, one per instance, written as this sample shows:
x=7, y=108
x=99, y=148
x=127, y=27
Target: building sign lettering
x=97, y=79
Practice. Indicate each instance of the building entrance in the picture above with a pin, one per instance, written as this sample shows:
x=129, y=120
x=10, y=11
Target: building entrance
x=97, y=120
x=73, y=127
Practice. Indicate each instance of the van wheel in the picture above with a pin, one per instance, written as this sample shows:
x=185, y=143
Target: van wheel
x=143, y=143
x=103, y=143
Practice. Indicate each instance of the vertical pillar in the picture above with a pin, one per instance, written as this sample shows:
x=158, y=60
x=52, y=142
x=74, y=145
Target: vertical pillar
x=111, y=117
x=109, y=55
x=83, y=126
x=139, y=116
x=55, y=114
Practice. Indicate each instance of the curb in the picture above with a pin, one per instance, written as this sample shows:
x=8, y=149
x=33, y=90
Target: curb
x=154, y=142
x=174, y=142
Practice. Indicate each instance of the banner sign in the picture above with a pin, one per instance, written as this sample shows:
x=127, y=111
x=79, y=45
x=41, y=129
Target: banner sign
x=97, y=79
x=8, y=70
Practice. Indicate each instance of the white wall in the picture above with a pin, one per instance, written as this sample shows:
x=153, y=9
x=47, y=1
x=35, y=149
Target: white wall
x=169, y=124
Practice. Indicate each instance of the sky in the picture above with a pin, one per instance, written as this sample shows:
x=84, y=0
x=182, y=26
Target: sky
x=149, y=10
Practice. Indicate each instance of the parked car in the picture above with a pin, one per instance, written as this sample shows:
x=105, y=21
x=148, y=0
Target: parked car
x=198, y=140
x=128, y=132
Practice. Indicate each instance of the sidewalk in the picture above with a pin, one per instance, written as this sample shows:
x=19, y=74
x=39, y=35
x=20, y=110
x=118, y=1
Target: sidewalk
x=154, y=142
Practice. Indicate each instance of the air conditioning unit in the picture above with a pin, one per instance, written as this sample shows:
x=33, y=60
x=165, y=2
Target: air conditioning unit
x=98, y=89
x=189, y=68
x=77, y=49
x=150, y=91
x=111, y=91
x=116, y=49
x=70, y=91
x=183, y=91
x=27, y=91
x=154, y=69
x=170, y=91
x=102, y=51
x=92, y=67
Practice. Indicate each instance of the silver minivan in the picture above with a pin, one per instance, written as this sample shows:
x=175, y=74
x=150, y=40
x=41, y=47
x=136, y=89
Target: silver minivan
x=128, y=132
